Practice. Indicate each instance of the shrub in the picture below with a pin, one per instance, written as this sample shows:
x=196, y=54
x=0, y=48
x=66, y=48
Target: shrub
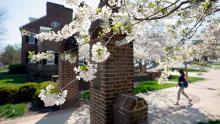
x=85, y=95
x=27, y=91
x=8, y=94
x=12, y=110
x=36, y=101
x=17, y=69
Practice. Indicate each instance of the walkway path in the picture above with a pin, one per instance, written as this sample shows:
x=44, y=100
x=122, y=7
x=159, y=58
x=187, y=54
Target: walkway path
x=206, y=100
x=205, y=95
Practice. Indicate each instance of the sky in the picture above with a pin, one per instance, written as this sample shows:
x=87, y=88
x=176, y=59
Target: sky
x=17, y=13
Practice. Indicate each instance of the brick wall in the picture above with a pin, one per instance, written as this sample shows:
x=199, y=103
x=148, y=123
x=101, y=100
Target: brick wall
x=114, y=76
x=66, y=75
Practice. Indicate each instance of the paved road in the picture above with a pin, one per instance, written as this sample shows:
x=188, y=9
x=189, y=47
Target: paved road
x=205, y=95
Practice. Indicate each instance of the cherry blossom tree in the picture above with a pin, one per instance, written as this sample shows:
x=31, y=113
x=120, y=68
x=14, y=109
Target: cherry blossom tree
x=124, y=17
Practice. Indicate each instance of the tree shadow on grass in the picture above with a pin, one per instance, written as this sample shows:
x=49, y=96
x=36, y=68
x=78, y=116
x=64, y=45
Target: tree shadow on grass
x=17, y=79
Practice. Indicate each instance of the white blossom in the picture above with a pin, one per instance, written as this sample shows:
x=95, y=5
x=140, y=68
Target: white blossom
x=52, y=96
x=49, y=55
x=86, y=72
x=99, y=52
x=69, y=56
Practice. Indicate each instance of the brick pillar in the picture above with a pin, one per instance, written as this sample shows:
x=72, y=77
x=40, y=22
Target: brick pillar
x=114, y=76
x=67, y=74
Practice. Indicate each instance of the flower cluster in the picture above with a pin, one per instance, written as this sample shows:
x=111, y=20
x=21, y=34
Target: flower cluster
x=68, y=56
x=52, y=95
x=99, y=53
x=49, y=55
x=86, y=72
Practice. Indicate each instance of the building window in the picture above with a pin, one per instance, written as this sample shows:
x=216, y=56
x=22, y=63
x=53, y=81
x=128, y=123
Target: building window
x=50, y=62
x=32, y=39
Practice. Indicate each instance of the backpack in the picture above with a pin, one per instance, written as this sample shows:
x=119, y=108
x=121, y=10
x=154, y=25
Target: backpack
x=185, y=84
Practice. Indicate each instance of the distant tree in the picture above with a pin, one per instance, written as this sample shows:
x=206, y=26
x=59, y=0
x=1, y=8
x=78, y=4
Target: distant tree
x=2, y=29
x=11, y=55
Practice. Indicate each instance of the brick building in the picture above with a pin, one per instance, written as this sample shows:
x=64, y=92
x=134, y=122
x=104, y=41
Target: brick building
x=56, y=17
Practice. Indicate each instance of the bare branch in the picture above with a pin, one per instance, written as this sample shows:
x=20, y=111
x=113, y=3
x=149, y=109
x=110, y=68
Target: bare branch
x=165, y=15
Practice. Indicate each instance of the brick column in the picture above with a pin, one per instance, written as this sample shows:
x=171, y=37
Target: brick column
x=114, y=76
x=67, y=74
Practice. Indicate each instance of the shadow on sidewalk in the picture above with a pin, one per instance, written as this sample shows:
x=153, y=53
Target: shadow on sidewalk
x=70, y=116
x=178, y=115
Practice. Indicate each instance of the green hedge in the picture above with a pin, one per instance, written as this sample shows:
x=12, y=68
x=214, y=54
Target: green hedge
x=17, y=69
x=8, y=94
x=27, y=92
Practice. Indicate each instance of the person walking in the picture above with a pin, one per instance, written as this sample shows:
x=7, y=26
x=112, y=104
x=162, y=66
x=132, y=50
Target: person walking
x=182, y=83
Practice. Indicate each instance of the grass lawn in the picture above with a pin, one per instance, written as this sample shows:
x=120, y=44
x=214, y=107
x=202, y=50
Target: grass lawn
x=15, y=80
x=191, y=79
x=3, y=69
x=13, y=110
x=189, y=69
x=216, y=65
x=153, y=85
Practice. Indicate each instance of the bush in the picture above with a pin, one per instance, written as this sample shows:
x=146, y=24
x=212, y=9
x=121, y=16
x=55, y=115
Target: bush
x=12, y=110
x=36, y=101
x=8, y=94
x=27, y=91
x=17, y=69
x=85, y=95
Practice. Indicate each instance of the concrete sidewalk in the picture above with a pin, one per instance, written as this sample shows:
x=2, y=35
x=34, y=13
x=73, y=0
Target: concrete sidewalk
x=206, y=100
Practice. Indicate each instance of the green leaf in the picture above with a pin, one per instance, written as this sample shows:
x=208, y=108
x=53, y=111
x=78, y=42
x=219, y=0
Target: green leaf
x=164, y=11
x=151, y=5
x=30, y=54
x=84, y=68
